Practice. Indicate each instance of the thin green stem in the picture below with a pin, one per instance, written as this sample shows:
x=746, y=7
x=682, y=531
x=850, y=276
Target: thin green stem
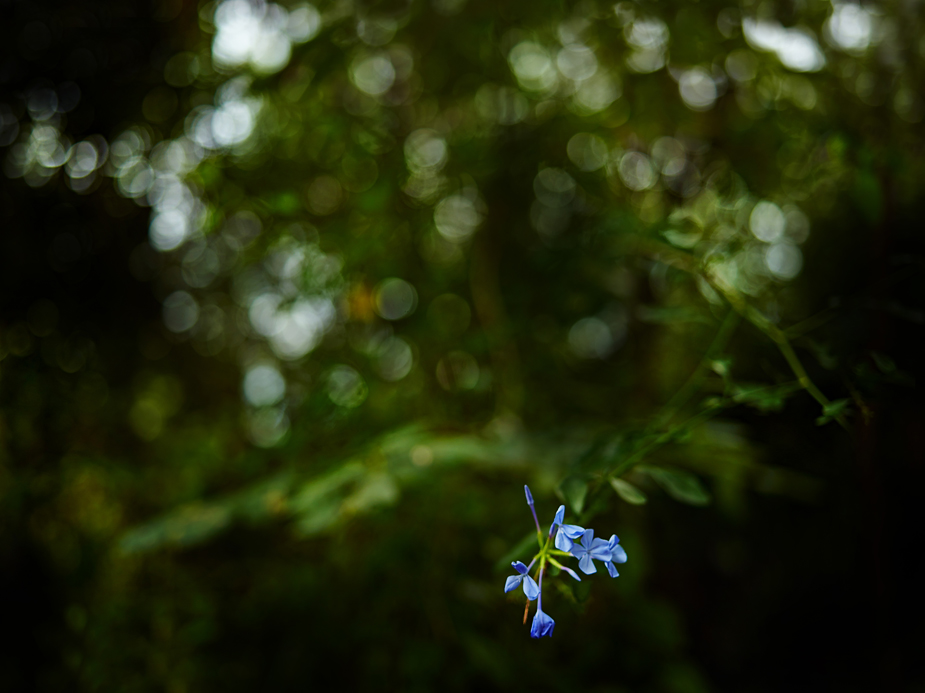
x=691, y=264
x=650, y=446
x=666, y=437
x=695, y=381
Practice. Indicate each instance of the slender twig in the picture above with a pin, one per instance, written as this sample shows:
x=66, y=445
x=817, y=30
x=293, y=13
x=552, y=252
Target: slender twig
x=662, y=439
x=680, y=398
x=691, y=264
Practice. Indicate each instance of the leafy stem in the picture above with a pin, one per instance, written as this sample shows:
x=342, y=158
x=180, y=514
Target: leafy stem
x=689, y=263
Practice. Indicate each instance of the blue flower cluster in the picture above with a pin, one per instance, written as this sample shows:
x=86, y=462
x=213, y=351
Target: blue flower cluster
x=570, y=541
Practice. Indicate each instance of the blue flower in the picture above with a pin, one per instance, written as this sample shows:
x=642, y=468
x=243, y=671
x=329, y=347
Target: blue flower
x=530, y=587
x=591, y=548
x=557, y=520
x=567, y=535
x=617, y=555
x=568, y=570
x=570, y=540
x=542, y=625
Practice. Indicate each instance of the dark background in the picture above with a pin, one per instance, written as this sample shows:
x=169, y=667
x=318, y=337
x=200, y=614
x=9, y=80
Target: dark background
x=800, y=583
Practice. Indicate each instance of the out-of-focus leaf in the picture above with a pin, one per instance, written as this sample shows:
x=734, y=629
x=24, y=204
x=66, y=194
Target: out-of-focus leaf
x=892, y=373
x=832, y=411
x=679, y=484
x=377, y=489
x=884, y=362
x=187, y=526
x=763, y=397
x=603, y=453
x=628, y=492
x=264, y=500
x=318, y=505
x=681, y=239
x=658, y=315
x=319, y=517
x=575, y=490
x=317, y=490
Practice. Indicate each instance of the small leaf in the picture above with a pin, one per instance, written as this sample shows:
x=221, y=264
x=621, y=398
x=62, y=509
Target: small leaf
x=832, y=410
x=681, y=239
x=323, y=487
x=628, y=492
x=575, y=490
x=680, y=485
x=884, y=362
x=320, y=517
x=191, y=524
x=377, y=489
x=763, y=397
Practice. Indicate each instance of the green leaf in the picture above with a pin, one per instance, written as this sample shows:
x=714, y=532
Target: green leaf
x=321, y=488
x=575, y=491
x=378, y=488
x=680, y=485
x=721, y=366
x=833, y=410
x=286, y=203
x=628, y=492
x=884, y=362
x=763, y=397
x=320, y=517
x=189, y=525
x=681, y=239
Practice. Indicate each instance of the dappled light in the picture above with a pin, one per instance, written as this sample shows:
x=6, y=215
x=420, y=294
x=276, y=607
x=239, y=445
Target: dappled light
x=298, y=297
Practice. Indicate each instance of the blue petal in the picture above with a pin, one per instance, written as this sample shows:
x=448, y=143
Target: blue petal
x=519, y=567
x=573, y=531
x=614, y=540
x=528, y=495
x=587, y=540
x=587, y=565
x=618, y=555
x=542, y=625
x=563, y=543
x=600, y=550
x=611, y=569
x=557, y=520
x=512, y=582
x=578, y=550
x=531, y=589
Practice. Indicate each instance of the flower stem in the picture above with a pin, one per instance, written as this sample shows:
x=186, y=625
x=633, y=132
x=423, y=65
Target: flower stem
x=539, y=532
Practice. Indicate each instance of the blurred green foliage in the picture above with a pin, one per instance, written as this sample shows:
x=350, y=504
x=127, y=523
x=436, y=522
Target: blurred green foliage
x=267, y=428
